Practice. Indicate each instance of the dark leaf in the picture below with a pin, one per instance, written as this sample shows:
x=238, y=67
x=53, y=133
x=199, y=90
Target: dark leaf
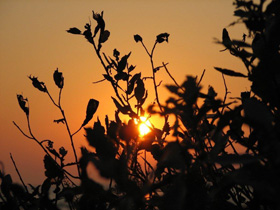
x=113, y=63
x=52, y=169
x=87, y=33
x=132, y=83
x=258, y=113
x=172, y=88
x=244, y=37
x=230, y=72
x=22, y=103
x=104, y=36
x=138, y=38
x=148, y=139
x=129, y=131
x=122, y=109
x=241, y=13
x=91, y=109
x=162, y=37
x=156, y=151
x=123, y=62
x=46, y=186
x=116, y=54
x=100, y=22
x=240, y=43
x=121, y=76
x=226, y=40
x=139, y=91
x=142, y=101
x=172, y=156
x=244, y=54
x=62, y=151
x=58, y=78
x=62, y=120
x=108, y=77
x=74, y=31
x=53, y=151
x=131, y=68
x=37, y=84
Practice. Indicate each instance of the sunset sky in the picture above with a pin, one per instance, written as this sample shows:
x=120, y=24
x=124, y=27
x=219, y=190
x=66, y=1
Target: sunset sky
x=34, y=42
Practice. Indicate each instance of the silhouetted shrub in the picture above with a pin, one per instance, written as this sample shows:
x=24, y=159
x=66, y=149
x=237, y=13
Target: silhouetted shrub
x=195, y=161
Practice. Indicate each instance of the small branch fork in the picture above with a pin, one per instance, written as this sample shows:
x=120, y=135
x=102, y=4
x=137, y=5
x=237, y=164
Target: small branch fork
x=67, y=127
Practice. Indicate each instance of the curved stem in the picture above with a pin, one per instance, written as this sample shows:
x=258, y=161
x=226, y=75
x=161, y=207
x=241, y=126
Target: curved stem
x=71, y=139
x=154, y=77
x=38, y=142
x=67, y=126
x=153, y=69
x=169, y=74
x=18, y=173
x=22, y=131
x=52, y=98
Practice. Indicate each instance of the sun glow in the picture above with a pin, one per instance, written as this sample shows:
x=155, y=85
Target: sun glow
x=144, y=126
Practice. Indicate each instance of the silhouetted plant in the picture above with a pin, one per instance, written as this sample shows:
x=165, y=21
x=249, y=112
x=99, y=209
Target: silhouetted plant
x=196, y=163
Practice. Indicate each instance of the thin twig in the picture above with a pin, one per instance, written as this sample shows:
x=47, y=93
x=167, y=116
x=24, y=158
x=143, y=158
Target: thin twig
x=164, y=65
x=77, y=131
x=22, y=131
x=226, y=93
x=71, y=140
x=145, y=48
x=98, y=81
x=52, y=98
x=59, y=97
x=66, y=124
x=18, y=173
x=201, y=78
x=154, y=76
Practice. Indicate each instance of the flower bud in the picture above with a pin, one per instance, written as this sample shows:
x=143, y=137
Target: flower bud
x=138, y=38
x=22, y=103
x=37, y=84
x=58, y=78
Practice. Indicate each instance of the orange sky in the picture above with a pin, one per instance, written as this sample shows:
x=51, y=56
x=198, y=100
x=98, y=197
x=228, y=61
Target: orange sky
x=34, y=41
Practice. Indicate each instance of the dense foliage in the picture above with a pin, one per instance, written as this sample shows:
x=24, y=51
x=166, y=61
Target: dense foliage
x=191, y=162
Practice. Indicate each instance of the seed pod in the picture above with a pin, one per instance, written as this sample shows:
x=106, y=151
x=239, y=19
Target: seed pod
x=58, y=79
x=91, y=109
x=22, y=103
x=37, y=84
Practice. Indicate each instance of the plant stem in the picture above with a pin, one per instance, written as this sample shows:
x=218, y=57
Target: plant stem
x=18, y=173
x=164, y=65
x=36, y=140
x=67, y=127
x=71, y=139
x=154, y=73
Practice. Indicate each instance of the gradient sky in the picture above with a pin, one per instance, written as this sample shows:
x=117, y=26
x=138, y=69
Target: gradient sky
x=33, y=41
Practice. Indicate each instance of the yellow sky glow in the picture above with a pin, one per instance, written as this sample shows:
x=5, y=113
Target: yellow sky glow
x=34, y=42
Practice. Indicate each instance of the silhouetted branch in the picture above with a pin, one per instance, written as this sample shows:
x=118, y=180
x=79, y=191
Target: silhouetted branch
x=226, y=93
x=201, y=78
x=99, y=81
x=18, y=173
x=22, y=131
x=164, y=65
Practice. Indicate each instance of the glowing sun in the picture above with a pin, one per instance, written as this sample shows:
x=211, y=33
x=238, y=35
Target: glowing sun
x=144, y=126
